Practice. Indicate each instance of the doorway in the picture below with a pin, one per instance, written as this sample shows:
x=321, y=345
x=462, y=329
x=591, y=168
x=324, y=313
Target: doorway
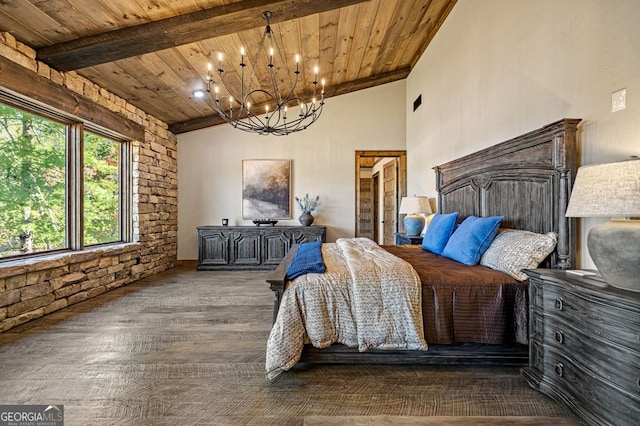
x=371, y=203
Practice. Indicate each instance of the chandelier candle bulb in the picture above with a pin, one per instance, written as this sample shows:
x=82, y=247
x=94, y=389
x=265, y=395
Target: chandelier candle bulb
x=271, y=57
x=242, y=56
x=220, y=62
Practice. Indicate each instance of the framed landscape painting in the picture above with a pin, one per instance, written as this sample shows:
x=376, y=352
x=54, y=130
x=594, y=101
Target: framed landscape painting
x=266, y=189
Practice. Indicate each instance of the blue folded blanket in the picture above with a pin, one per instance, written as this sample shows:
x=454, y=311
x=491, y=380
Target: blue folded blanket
x=307, y=259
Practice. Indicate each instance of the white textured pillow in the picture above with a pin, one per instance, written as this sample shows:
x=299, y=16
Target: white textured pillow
x=513, y=250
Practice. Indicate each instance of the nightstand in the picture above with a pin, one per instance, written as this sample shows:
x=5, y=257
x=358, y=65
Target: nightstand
x=584, y=346
x=402, y=239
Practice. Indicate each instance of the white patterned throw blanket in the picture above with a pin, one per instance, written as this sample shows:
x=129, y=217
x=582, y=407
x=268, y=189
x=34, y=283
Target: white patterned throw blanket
x=367, y=298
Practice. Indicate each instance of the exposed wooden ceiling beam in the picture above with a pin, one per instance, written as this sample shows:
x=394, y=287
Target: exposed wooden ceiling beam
x=46, y=94
x=179, y=30
x=340, y=89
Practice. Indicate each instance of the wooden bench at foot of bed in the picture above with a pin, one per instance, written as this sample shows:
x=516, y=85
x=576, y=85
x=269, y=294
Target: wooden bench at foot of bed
x=455, y=354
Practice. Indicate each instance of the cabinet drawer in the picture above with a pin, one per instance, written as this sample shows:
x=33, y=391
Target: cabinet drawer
x=615, y=364
x=596, y=401
x=536, y=293
x=536, y=325
x=213, y=249
x=593, y=317
x=536, y=355
x=275, y=245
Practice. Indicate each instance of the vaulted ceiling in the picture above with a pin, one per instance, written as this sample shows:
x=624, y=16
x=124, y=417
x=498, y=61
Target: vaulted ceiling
x=154, y=53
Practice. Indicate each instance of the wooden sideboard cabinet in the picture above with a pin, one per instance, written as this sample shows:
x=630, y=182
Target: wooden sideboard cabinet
x=584, y=346
x=250, y=247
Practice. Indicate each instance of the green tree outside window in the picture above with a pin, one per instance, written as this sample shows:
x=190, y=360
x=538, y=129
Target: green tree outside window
x=101, y=190
x=32, y=195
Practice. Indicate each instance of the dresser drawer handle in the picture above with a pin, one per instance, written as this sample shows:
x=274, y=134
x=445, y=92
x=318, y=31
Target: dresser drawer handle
x=559, y=337
x=559, y=304
x=559, y=369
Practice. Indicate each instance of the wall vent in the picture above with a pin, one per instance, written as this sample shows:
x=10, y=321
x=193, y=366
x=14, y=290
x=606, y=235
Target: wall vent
x=417, y=102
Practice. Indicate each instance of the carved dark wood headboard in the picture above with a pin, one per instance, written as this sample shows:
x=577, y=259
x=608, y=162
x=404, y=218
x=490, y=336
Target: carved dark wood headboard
x=526, y=179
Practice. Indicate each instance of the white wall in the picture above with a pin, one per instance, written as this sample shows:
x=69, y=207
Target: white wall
x=499, y=68
x=210, y=163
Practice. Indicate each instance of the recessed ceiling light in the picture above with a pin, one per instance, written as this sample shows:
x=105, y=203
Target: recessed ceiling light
x=198, y=93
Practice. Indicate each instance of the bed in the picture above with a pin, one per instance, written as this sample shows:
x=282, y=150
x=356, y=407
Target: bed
x=526, y=180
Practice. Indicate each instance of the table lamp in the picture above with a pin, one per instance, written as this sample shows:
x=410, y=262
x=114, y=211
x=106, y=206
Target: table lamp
x=412, y=207
x=611, y=190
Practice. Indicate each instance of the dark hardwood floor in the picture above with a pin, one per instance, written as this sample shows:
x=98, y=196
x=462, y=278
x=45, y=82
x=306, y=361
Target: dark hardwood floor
x=187, y=348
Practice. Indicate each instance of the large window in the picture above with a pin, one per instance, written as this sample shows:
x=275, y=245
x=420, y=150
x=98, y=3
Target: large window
x=32, y=195
x=62, y=184
x=101, y=189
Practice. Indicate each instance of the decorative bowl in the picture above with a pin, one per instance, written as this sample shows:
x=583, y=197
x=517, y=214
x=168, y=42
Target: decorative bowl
x=259, y=222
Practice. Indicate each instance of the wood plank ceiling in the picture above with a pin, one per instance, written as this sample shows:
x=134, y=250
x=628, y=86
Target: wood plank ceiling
x=154, y=53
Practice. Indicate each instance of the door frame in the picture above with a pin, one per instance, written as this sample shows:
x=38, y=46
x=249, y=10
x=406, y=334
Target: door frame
x=376, y=206
x=389, y=195
x=402, y=178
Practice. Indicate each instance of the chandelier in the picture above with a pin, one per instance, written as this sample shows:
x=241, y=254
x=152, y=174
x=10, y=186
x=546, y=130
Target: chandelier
x=271, y=110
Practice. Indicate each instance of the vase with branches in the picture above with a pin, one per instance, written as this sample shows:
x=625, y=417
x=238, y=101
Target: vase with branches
x=307, y=205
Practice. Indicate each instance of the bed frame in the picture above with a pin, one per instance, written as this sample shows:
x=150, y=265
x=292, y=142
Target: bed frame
x=527, y=180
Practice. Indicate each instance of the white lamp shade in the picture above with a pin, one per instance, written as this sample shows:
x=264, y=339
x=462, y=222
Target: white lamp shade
x=410, y=205
x=611, y=190
x=606, y=190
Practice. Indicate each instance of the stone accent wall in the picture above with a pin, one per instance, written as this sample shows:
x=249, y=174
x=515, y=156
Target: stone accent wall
x=33, y=287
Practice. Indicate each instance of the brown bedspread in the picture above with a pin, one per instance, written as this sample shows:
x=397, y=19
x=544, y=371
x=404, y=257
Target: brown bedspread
x=462, y=303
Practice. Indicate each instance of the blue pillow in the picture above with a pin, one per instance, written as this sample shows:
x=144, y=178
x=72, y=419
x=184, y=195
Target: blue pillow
x=438, y=232
x=472, y=238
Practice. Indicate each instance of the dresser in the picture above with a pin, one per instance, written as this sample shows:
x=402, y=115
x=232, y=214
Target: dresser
x=250, y=247
x=584, y=346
